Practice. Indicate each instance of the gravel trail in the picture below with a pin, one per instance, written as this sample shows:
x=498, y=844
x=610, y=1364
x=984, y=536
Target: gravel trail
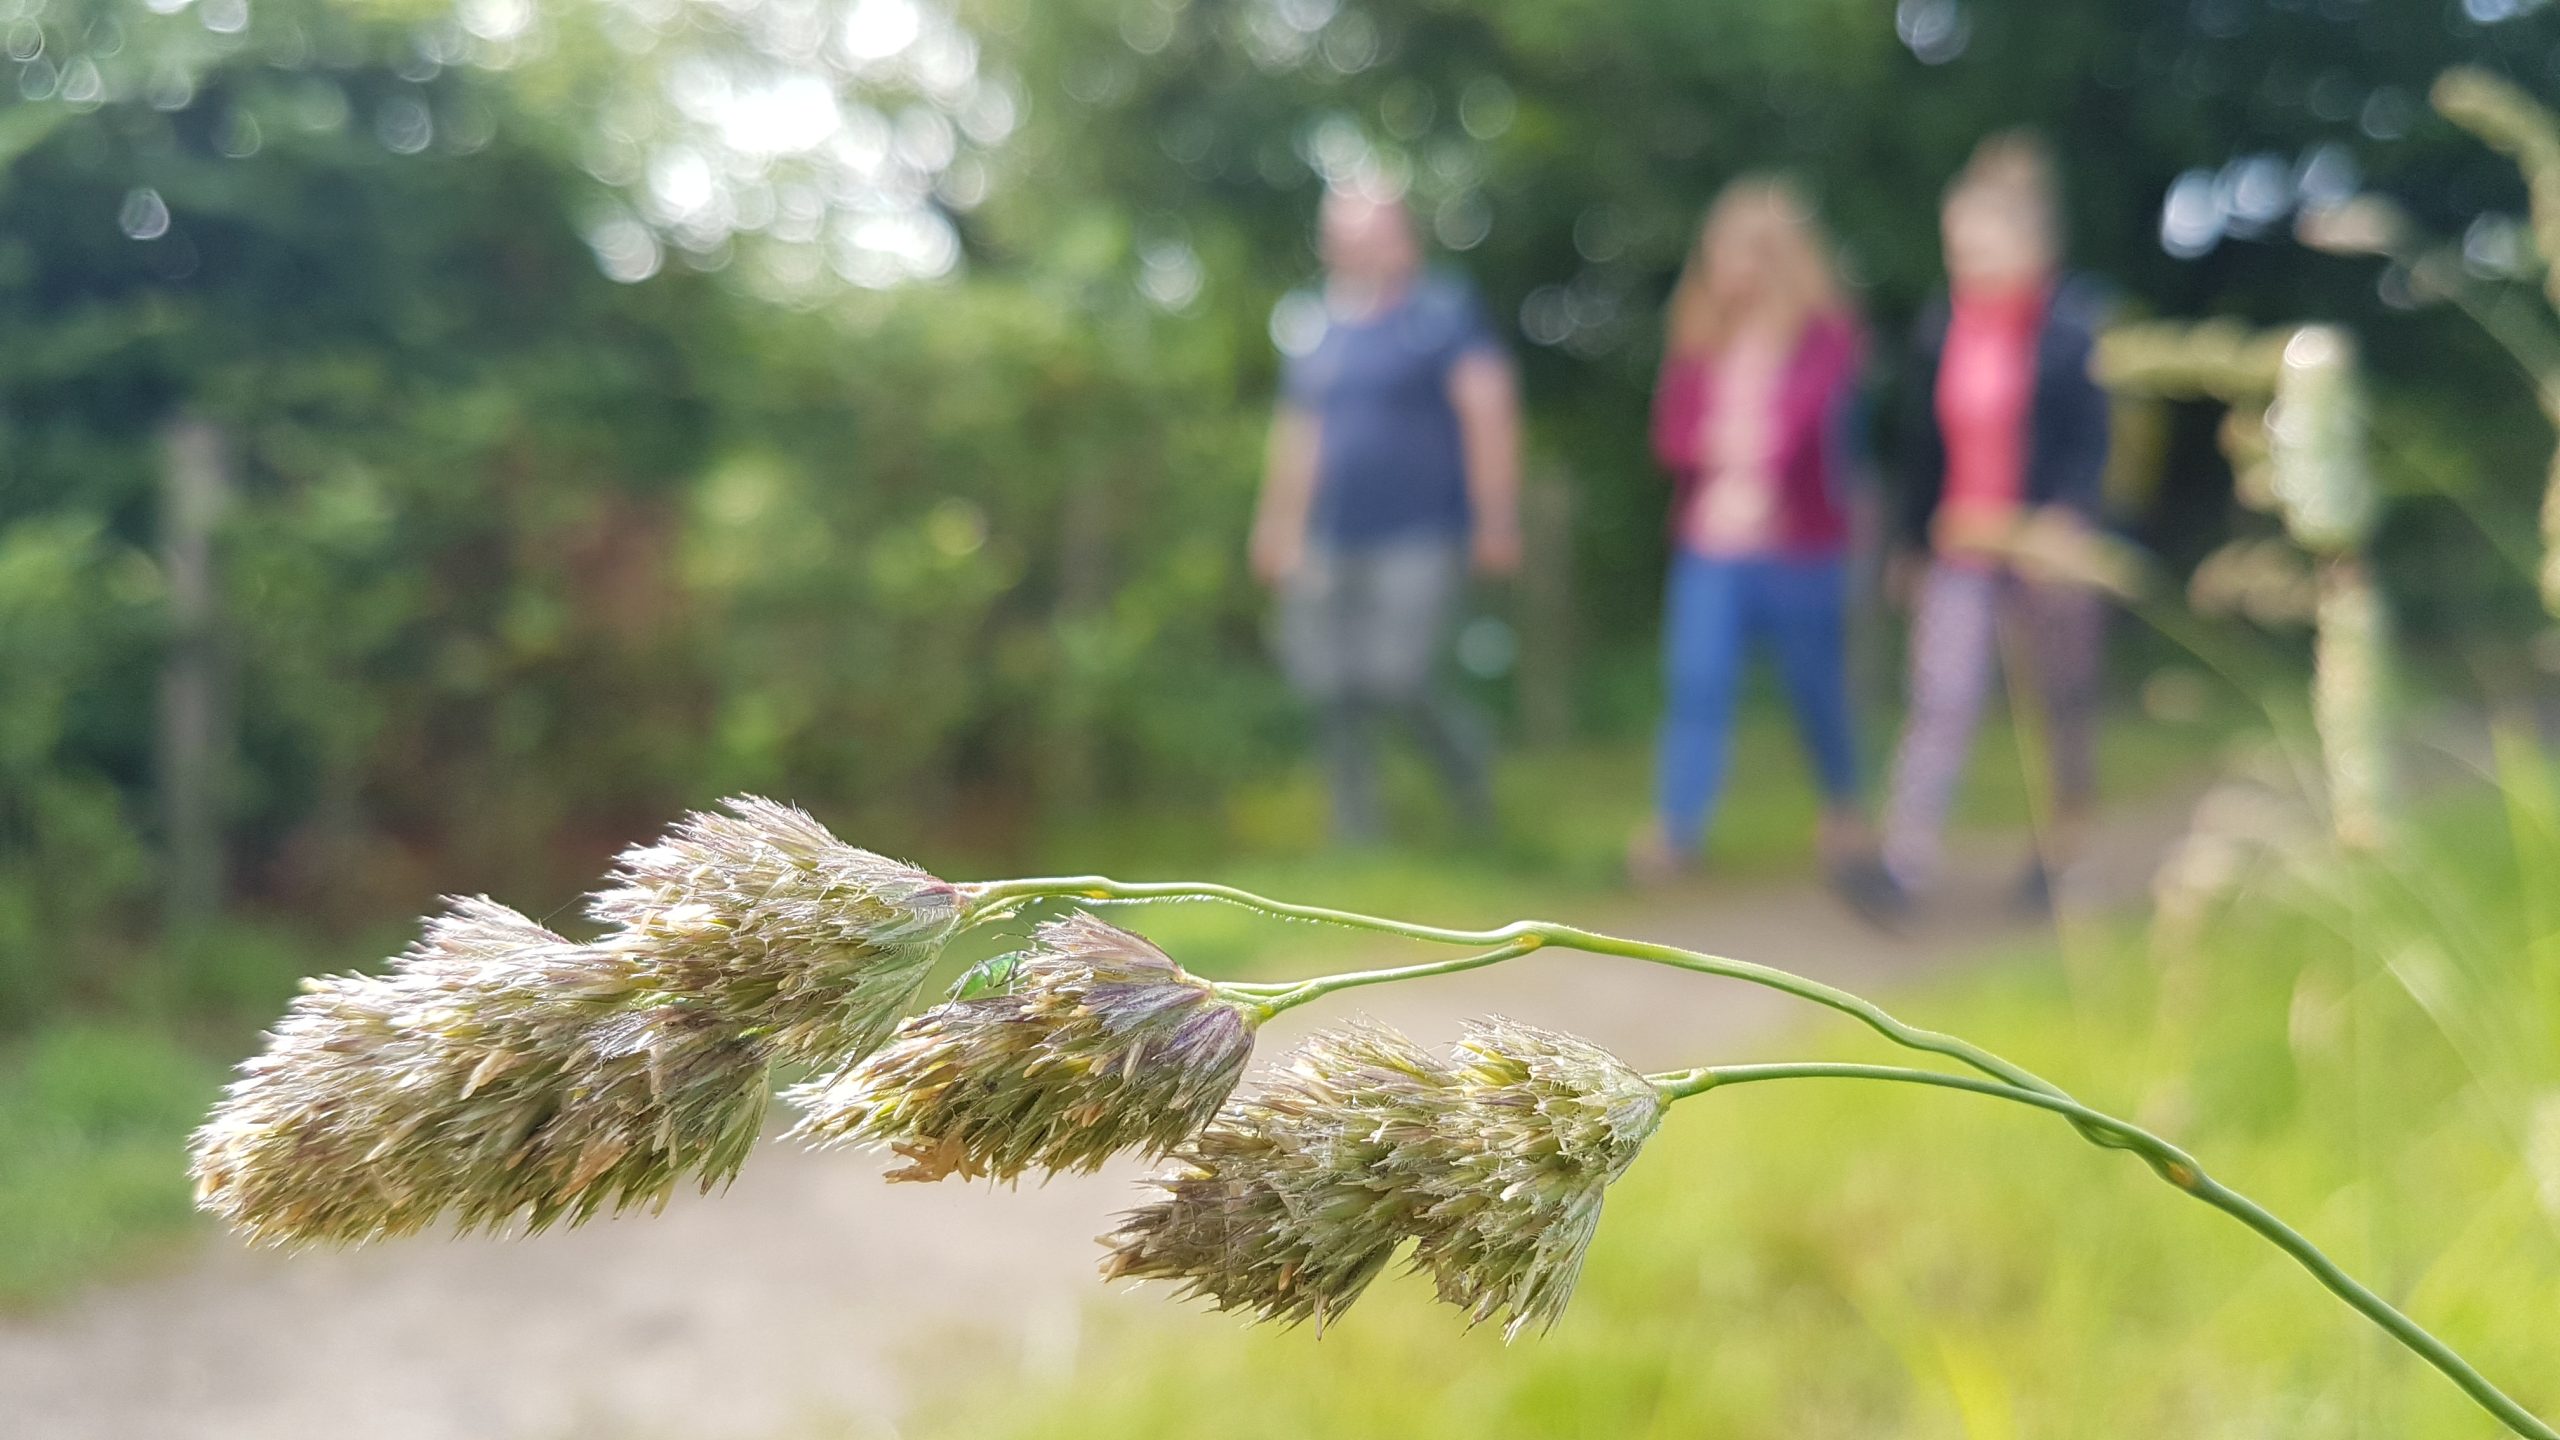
x=807, y=1297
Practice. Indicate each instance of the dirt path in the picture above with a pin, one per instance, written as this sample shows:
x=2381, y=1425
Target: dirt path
x=801, y=1300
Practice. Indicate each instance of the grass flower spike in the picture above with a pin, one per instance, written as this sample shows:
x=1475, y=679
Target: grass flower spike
x=1495, y=1165
x=499, y=1074
x=1099, y=1044
x=2316, y=431
x=1292, y=1200
x=1518, y=1169
x=2351, y=702
x=788, y=932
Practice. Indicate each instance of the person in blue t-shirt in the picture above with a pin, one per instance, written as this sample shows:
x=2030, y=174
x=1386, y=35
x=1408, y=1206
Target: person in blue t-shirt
x=1393, y=469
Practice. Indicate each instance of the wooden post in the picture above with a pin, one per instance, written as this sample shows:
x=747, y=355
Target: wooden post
x=195, y=720
x=1071, y=779
x=1545, y=599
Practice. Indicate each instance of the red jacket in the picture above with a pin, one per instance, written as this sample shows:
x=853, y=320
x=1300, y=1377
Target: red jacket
x=1816, y=398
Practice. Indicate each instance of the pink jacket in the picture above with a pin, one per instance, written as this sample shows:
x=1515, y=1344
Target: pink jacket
x=1814, y=447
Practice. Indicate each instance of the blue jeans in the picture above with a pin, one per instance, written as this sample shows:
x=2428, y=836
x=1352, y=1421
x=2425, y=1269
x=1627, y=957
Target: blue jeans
x=1719, y=608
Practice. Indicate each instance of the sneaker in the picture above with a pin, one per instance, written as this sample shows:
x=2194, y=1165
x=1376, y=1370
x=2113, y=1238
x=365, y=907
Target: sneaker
x=1652, y=862
x=1865, y=886
x=2032, y=897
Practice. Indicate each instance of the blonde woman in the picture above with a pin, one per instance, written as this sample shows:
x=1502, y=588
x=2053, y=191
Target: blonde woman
x=1751, y=418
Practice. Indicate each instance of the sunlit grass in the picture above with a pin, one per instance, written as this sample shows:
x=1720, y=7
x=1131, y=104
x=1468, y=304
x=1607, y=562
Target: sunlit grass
x=1817, y=1260
x=93, y=1119
x=91, y=1173
x=1566, y=817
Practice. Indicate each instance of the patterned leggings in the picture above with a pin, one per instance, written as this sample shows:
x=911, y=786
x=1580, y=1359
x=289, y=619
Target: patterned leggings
x=2056, y=630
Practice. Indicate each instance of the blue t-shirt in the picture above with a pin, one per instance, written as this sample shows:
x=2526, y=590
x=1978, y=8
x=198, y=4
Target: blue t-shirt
x=1390, y=464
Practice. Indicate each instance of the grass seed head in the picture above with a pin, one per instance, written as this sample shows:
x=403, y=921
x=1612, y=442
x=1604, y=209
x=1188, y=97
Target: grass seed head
x=500, y=1074
x=1297, y=1195
x=1516, y=1171
x=788, y=932
x=1493, y=1163
x=1100, y=1044
x=2351, y=702
x=2317, y=431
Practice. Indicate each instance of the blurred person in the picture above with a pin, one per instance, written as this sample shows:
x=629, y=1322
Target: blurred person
x=1393, y=469
x=1753, y=418
x=2007, y=447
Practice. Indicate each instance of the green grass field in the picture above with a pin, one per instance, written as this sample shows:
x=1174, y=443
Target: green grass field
x=1566, y=819
x=92, y=1120
x=2375, y=1055
x=94, y=1110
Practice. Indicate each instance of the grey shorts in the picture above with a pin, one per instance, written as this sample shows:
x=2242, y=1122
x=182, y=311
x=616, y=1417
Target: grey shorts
x=1366, y=623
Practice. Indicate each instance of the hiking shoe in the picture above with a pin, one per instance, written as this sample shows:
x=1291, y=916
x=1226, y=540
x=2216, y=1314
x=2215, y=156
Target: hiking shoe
x=1865, y=886
x=2032, y=897
x=1653, y=861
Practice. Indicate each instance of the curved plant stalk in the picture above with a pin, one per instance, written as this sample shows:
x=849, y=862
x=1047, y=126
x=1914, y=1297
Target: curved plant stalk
x=988, y=899
x=1998, y=1078
x=2181, y=1171
x=1271, y=999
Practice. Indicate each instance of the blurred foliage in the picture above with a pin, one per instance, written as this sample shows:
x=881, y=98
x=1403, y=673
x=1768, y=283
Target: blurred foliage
x=1565, y=148
x=590, y=463
x=71, y=607
x=91, y=1114
x=90, y=1118
x=2372, y=1049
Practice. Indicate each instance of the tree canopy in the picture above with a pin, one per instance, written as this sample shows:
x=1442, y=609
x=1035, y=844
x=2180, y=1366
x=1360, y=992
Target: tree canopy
x=630, y=400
